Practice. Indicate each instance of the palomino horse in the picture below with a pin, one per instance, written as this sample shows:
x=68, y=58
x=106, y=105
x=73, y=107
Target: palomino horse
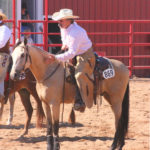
x=50, y=85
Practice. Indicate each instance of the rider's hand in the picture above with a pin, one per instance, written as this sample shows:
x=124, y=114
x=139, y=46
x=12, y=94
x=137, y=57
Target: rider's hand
x=64, y=47
x=51, y=58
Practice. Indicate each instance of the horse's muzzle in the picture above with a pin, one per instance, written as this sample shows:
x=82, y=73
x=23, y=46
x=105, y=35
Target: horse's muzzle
x=15, y=75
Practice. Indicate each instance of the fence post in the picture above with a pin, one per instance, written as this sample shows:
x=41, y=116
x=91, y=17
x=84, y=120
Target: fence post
x=19, y=28
x=14, y=21
x=46, y=26
x=131, y=50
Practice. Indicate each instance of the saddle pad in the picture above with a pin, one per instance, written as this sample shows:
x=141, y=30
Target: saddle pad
x=109, y=72
x=104, y=66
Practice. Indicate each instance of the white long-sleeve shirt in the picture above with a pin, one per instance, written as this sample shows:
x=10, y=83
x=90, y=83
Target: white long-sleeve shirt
x=5, y=34
x=77, y=41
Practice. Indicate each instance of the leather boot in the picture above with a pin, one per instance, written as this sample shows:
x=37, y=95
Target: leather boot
x=79, y=105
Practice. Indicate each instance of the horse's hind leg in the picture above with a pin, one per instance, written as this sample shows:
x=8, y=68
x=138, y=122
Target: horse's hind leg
x=1, y=108
x=121, y=111
x=72, y=118
x=116, y=108
x=25, y=99
x=11, y=111
x=40, y=112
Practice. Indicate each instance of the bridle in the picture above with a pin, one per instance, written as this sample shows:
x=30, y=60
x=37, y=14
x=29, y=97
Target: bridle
x=27, y=55
x=52, y=73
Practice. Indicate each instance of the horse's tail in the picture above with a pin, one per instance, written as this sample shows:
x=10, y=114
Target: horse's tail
x=122, y=127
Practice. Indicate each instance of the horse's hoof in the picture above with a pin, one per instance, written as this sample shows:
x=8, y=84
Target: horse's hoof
x=57, y=147
x=49, y=142
x=49, y=147
x=112, y=148
x=8, y=123
x=56, y=144
x=23, y=134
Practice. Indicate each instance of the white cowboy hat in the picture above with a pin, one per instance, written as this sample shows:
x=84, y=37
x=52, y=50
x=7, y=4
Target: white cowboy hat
x=4, y=17
x=64, y=14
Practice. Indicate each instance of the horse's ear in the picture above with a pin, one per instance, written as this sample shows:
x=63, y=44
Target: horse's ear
x=25, y=41
x=17, y=41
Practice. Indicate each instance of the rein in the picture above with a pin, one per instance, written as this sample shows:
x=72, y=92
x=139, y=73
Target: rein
x=27, y=56
x=63, y=97
x=52, y=73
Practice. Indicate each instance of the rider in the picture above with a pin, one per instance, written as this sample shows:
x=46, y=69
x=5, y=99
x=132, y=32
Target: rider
x=75, y=42
x=5, y=34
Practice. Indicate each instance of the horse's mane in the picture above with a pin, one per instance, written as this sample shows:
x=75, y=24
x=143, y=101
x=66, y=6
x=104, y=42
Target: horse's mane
x=37, y=48
x=42, y=51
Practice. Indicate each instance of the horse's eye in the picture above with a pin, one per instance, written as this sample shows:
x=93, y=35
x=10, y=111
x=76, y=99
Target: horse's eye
x=22, y=55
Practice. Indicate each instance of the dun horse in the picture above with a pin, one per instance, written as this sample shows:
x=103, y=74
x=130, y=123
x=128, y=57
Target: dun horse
x=50, y=84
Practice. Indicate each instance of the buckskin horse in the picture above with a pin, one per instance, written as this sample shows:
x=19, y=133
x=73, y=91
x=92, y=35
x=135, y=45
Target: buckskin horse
x=50, y=85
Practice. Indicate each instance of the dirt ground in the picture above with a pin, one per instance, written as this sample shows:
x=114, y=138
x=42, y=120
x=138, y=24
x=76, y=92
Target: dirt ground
x=93, y=130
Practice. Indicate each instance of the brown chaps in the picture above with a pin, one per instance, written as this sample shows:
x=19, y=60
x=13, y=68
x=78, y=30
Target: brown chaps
x=84, y=76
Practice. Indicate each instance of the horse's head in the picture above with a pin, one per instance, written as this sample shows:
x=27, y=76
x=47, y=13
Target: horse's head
x=21, y=59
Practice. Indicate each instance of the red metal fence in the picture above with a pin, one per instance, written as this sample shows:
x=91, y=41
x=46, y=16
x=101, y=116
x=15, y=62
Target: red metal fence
x=129, y=44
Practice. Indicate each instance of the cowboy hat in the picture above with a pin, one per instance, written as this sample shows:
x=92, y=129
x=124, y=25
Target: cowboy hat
x=4, y=17
x=64, y=14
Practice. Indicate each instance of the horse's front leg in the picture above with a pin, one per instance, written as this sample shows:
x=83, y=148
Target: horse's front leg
x=25, y=99
x=72, y=117
x=1, y=107
x=48, y=115
x=11, y=111
x=56, y=112
x=39, y=110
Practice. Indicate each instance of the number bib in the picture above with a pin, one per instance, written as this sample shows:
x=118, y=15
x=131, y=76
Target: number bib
x=108, y=73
